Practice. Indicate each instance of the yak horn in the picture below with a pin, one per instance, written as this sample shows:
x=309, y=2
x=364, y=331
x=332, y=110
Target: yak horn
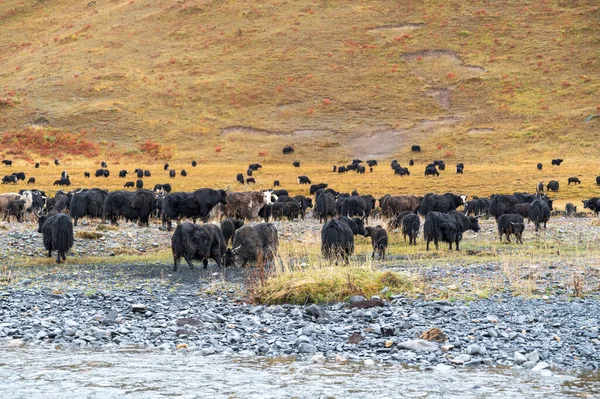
x=364, y=215
x=480, y=215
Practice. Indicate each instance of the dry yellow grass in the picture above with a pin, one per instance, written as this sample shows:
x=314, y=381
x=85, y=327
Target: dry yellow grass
x=181, y=72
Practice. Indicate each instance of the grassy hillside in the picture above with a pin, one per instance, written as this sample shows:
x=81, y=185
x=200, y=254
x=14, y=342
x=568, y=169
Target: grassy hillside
x=498, y=85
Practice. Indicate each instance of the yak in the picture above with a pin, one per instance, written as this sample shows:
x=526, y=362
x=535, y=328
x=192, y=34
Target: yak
x=193, y=242
x=539, y=212
x=441, y=203
x=557, y=161
x=288, y=149
x=552, y=185
x=324, y=206
x=87, y=203
x=139, y=184
x=593, y=204
x=57, y=233
x=257, y=244
x=240, y=178
x=574, y=180
x=337, y=237
x=511, y=224
x=195, y=205
x=316, y=187
x=303, y=180
x=448, y=227
x=129, y=184
x=431, y=171
x=229, y=226
x=379, y=240
x=132, y=206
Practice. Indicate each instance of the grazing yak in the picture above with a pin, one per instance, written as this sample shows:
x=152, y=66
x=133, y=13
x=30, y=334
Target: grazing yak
x=431, y=171
x=593, y=204
x=288, y=149
x=195, y=205
x=139, y=184
x=250, y=180
x=296, y=164
x=276, y=183
x=324, y=206
x=9, y=179
x=166, y=166
x=316, y=187
x=254, y=166
x=147, y=173
x=279, y=193
x=303, y=180
x=56, y=161
x=194, y=242
x=415, y=148
x=448, y=227
x=570, y=209
x=86, y=174
x=459, y=168
x=37, y=165
x=129, y=184
x=60, y=203
x=123, y=173
x=341, y=169
x=7, y=162
x=6, y=199
x=557, y=162
x=229, y=226
x=253, y=244
x=539, y=212
x=410, y=223
x=379, y=240
x=395, y=205
x=598, y=180
x=358, y=205
x=552, y=185
x=131, y=206
x=87, y=203
x=19, y=175
x=574, y=180
x=15, y=208
x=57, y=233
x=183, y=173
x=511, y=223
x=240, y=178
x=337, y=237
x=139, y=173
x=539, y=166
x=172, y=173
x=441, y=203
x=290, y=210
x=249, y=172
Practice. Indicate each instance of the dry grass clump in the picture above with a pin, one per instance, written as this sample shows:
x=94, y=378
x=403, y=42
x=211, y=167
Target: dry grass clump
x=310, y=279
x=88, y=235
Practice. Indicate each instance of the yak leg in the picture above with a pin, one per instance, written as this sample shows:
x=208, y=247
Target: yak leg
x=456, y=248
x=57, y=256
x=435, y=241
x=49, y=253
x=75, y=222
x=508, y=237
x=63, y=255
x=175, y=263
x=427, y=247
x=188, y=259
x=205, y=262
x=373, y=254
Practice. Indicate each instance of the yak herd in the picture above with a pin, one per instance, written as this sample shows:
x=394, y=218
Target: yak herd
x=344, y=215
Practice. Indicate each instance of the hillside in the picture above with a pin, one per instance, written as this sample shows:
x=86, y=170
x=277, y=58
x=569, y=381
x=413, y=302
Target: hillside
x=509, y=81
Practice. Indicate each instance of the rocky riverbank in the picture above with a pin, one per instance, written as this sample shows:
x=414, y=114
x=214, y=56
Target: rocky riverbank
x=144, y=304
x=538, y=334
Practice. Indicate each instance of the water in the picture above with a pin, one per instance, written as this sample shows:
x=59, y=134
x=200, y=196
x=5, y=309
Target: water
x=39, y=373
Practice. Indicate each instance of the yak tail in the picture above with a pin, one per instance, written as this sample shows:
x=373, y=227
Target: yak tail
x=64, y=233
x=107, y=212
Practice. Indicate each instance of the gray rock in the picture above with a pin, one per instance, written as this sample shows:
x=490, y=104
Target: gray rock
x=519, y=358
x=356, y=298
x=461, y=359
x=306, y=348
x=316, y=312
x=540, y=366
x=418, y=345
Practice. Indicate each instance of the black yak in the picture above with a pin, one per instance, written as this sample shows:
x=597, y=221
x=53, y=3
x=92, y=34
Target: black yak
x=57, y=232
x=288, y=149
x=132, y=206
x=257, y=244
x=574, y=180
x=337, y=237
x=539, y=212
x=379, y=240
x=194, y=242
x=139, y=184
x=87, y=203
x=448, y=227
x=240, y=178
x=229, y=226
x=511, y=223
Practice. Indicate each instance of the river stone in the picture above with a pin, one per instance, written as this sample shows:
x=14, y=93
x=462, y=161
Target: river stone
x=418, y=345
x=316, y=312
x=139, y=307
x=461, y=359
x=534, y=356
x=520, y=358
x=306, y=348
x=356, y=298
x=475, y=349
x=540, y=366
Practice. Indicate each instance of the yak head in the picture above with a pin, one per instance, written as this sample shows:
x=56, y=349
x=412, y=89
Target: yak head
x=474, y=221
x=267, y=194
x=41, y=220
x=230, y=256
